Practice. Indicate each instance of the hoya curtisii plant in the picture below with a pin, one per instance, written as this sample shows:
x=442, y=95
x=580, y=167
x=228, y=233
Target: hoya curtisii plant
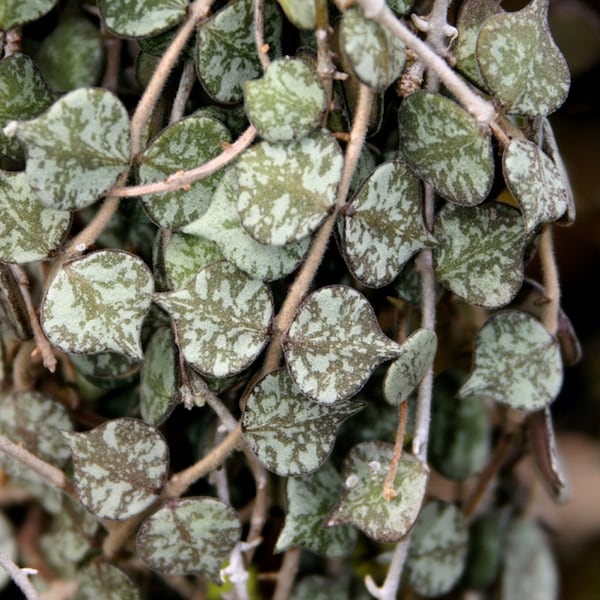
x=306, y=219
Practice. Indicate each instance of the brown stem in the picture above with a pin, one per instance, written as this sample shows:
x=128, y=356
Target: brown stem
x=287, y=574
x=551, y=280
x=259, y=33
x=389, y=491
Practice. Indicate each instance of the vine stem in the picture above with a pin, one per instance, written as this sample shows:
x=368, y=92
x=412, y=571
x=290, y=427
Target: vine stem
x=551, y=280
x=287, y=574
x=259, y=33
x=388, y=487
x=389, y=589
x=20, y=576
x=186, y=84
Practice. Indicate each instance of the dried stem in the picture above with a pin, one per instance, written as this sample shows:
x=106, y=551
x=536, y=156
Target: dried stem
x=551, y=280
x=20, y=576
x=389, y=491
x=287, y=574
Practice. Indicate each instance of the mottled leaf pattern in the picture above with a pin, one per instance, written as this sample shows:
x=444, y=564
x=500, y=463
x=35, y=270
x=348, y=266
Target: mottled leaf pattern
x=19, y=12
x=189, y=535
x=222, y=318
x=102, y=580
x=221, y=224
x=77, y=149
x=28, y=230
x=287, y=190
x=97, y=304
x=309, y=501
x=335, y=343
x=105, y=366
x=319, y=587
x=535, y=182
x=226, y=53
x=290, y=434
x=185, y=255
x=479, y=254
x=517, y=362
x=405, y=373
x=184, y=145
x=446, y=147
x=362, y=503
x=299, y=12
x=438, y=549
x=375, y=55
x=120, y=467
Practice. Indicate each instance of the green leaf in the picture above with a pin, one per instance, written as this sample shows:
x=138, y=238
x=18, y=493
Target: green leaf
x=77, y=149
x=287, y=103
x=319, y=587
x=221, y=224
x=23, y=95
x=517, y=363
x=406, y=372
x=104, y=368
x=97, y=304
x=446, y=148
x=290, y=434
x=384, y=225
x=375, y=55
x=18, y=12
x=309, y=501
x=362, y=503
x=222, y=318
x=520, y=62
x=438, y=549
x=138, y=18
x=400, y=7
x=300, y=13
x=120, y=467
x=226, y=53
x=287, y=190
x=535, y=182
x=28, y=230
x=189, y=535
x=184, y=145
x=335, y=343
x=102, y=580
x=479, y=254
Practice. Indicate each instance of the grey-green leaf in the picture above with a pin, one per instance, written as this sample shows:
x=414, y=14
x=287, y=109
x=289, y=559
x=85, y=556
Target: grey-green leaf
x=18, y=12
x=102, y=580
x=309, y=501
x=291, y=435
x=222, y=318
x=184, y=145
x=189, y=535
x=77, y=149
x=299, y=12
x=28, y=230
x=362, y=504
x=517, y=362
x=479, y=254
x=98, y=303
x=120, y=467
x=335, y=343
x=446, y=148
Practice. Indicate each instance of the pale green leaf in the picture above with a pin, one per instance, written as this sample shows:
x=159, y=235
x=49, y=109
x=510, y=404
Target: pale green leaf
x=98, y=303
x=120, y=467
x=362, y=504
x=102, y=580
x=299, y=12
x=517, y=363
x=446, y=147
x=18, y=12
x=290, y=434
x=189, y=535
x=105, y=367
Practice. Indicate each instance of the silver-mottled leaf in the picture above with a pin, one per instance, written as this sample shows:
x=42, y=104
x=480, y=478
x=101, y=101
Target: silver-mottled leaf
x=446, y=148
x=189, y=535
x=102, y=580
x=362, y=504
x=299, y=12
x=287, y=190
x=98, y=303
x=335, y=343
x=120, y=467
x=517, y=362
x=222, y=318
x=291, y=435
x=105, y=368
x=18, y=12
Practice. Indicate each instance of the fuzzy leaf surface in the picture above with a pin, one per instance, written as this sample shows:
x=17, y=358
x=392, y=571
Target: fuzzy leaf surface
x=102, y=580
x=18, y=12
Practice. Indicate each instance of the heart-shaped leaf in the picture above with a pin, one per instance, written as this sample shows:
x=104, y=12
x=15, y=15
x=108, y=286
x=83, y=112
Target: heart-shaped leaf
x=479, y=254
x=299, y=12
x=222, y=318
x=362, y=505
x=287, y=190
x=120, y=467
x=520, y=62
x=535, y=182
x=16, y=12
x=221, y=224
x=77, y=149
x=406, y=372
x=384, y=225
x=98, y=303
x=290, y=434
x=102, y=580
x=184, y=145
x=189, y=535
x=517, y=363
x=438, y=549
x=446, y=147
x=28, y=230
x=335, y=343
x=309, y=501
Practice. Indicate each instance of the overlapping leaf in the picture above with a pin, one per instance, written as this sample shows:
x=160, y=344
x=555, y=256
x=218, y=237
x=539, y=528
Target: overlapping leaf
x=104, y=368
x=299, y=12
x=185, y=255
x=17, y=12
x=103, y=580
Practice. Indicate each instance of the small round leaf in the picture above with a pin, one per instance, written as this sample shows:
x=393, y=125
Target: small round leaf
x=101, y=580
x=299, y=12
x=18, y=12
